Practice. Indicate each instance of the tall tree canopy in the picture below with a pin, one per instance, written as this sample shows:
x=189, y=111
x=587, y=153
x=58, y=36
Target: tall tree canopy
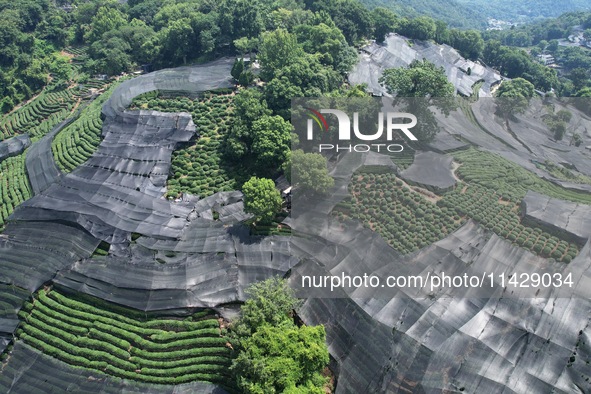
x=262, y=199
x=275, y=355
x=421, y=79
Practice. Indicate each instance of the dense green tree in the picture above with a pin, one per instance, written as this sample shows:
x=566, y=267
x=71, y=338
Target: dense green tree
x=384, y=22
x=514, y=96
x=247, y=19
x=423, y=80
x=237, y=68
x=516, y=63
x=276, y=356
x=262, y=199
x=350, y=16
x=271, y=143
x=308, y=172
x=283, y=359
x=278, y=49
x=469, y=43
x=269, y=302
x=420, y=79
x=517, y=87
x=246, y=45
x=30, y=32
x=442, y=33
x=575, y=57
x=558, y=129
x=112, y=55
x=576, y=139
x=54, y=29
x=328, y=43
x=542, y=45
x=420, y=28
x=553, y=46
x=279, y=93
x=145, y=10
x=106, y=19
x=249, y=106
x=174, y=11
x=176, y=40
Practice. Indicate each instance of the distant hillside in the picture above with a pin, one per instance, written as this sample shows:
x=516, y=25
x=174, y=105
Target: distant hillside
x=525, y=10
x=450, y=11
x=474, y=13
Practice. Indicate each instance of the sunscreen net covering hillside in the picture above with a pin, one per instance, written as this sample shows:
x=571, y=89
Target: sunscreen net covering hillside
x=484, y=340
x=396, y=52
x=166, y=256
x=14, y=146
x=30, y=371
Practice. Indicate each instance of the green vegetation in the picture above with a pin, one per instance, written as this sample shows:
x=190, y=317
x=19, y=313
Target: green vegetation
x=502, y=216
x=473, y=14
x=275, y=355
x=273, y=228
x=309, y=172
x=429, y=85
x=452, y=12
x=39, y=116
x=420, y=79
x=514, y=96
x=100, y=336
x=540, y=32
x=200, y=168
x=80, y=139
x=404, y=217
x=14, y=186
x=496, y=189
x=509, y=180
x=412, y=218
x=262, y=199
x=560, y=172
x=31, y=30
x=557, y=122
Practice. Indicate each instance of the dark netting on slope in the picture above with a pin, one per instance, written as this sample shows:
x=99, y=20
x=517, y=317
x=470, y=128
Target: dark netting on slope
x=112, y=187
x=32, y=252
x=396, y=52
x=559, y=215
x=528, y=135
x=11, y=300
x=172, y=279
x=431, y=170
x=122, y=209
x=228, y=205
x=445, y=143
x=190, y=80
x=122, y=183
x=41, y=166
x=348, y=248
x=30, y=371
x=486, y=345
x=500, y=343
x=14, y=146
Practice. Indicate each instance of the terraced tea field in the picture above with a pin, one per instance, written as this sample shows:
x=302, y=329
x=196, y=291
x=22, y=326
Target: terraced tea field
x=404, y=218
x=491, y=195
x=39, y=116
x=94, y=334
x=14, y=186
x=199, y=168
x=80, y=139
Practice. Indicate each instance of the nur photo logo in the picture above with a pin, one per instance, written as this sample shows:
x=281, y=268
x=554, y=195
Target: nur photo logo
x=389, y=125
